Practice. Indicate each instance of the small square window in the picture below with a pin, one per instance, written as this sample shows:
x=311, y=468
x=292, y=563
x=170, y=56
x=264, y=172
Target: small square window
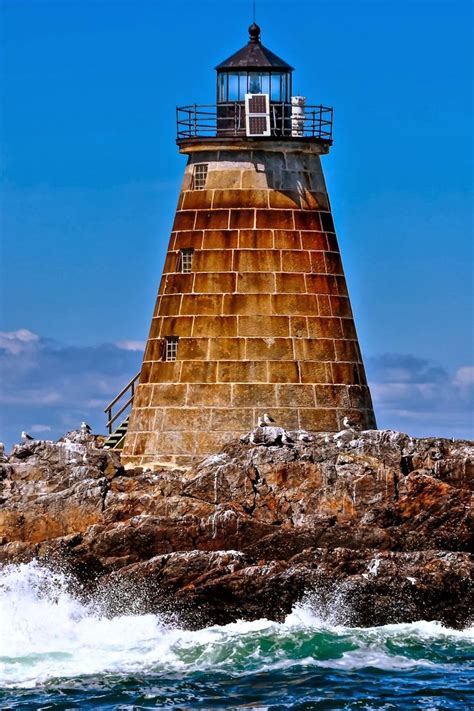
x=171, y=348
x=185, y=260
x=199, y=176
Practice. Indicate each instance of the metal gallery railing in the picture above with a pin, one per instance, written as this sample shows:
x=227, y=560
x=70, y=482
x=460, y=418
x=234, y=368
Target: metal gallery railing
x=228, y=119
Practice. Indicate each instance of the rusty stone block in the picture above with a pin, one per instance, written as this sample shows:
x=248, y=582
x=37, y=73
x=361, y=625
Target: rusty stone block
x=312, y=200
x=257, y=325
x=201, y=304
x=227, y=349
x=307, y=220
x=193, y=349
x=211, y=442
x=295, y=395
x=165, y=372
x=285, y=372
x=254, y=179
x=143, y=395
x=170, y=304
x=184, y=220
x=145, y=372
x=299, y=326
x=333, y=245
x=242, y=219
x=287, y=200
x=327, y=222
x=240, y=198
x=212, y=220
x=158, y=421
x=198, y=372
x=297, y=304
x=220, y=239
x=224, y=179
x=348, y=328
x=193, y=199
x=321, y=349
x=314, y=241
x=348, y=351
x=230, y=419
x=165, y=394
x=362, y=376
x=225, y=326
x=170, y=262
x=324, y=305
x=315, y=372
x=319, y=420
x=255, y=239
x=178, y=284
x=247, y=304
x=251, y=260
x=215, y=283
x=140, y=443
x=212, y=260
x=188, y=240
x=341, y=286
x=340, y=306
x=287, y=239
x=242, y=372
x=255, y=283
x=176, y=326
x=155, y=326
x=269, y=349
x=321, y=284
x=332, y=395
x=318, y=264
x=359, y=397
x=347, y=373
x=254, y=395
x=142, y=419
x=186, y=418
x=153, y=349
x=290, y=283
x=294, y=261
x=324, y=327
x=333, y=263
x=286, y=417
x=276, y=219
x=206, y=395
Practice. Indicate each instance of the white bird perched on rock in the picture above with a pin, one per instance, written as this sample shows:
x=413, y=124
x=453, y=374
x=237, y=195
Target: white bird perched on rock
x=261, y=423
x=267, y=419
x=25, y=437
x=350, y=424
x=304, y=437
x=85, y=428
x=285, y=438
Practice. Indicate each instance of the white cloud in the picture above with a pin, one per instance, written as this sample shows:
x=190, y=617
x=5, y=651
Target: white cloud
x=16, y=342
x=464, y=377
x=131, y=345
x=40, y=428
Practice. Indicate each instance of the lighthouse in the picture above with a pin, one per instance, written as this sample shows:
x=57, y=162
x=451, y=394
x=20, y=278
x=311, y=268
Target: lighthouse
x=253, y=313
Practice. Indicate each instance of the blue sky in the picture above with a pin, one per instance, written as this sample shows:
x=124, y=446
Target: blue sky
x=90, y=175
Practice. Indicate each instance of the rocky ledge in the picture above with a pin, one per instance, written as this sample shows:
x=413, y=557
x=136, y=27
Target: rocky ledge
x=374, y=527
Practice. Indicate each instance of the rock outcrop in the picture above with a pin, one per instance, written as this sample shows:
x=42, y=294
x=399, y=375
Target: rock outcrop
x=376, y=526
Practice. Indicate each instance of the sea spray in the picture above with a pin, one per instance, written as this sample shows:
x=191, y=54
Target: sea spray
x=54, y=645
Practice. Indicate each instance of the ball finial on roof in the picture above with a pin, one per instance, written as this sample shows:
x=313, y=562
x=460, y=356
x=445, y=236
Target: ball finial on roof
x=254, y=32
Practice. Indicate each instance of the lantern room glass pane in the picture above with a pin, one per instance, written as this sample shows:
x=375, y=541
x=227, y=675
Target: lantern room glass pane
x=233, y=87
x=255, y=83
x=242, y=85
x=265, y=83
x=276, y=87
x=222, y=87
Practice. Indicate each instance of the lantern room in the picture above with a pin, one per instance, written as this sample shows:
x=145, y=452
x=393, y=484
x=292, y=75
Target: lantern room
x=254, y=70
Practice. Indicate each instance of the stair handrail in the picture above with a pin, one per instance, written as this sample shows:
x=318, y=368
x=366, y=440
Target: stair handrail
x=108, y=410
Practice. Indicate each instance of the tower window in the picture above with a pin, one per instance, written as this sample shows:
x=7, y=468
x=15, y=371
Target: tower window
x=171, y=348
x=200, y=176
x=185, y=260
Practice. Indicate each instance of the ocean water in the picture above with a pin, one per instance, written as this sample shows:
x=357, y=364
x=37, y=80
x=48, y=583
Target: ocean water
x=56, y=653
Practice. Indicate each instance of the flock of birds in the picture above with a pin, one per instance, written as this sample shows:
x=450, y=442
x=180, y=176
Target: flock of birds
x=83, y=429
x=255, y=436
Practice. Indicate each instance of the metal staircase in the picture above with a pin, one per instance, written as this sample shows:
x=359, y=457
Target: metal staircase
x=116, y=437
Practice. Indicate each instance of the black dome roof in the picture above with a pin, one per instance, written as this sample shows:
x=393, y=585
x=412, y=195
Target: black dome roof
x=254, y=56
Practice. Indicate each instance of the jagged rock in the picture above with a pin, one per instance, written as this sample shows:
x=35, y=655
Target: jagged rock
x=380, y=519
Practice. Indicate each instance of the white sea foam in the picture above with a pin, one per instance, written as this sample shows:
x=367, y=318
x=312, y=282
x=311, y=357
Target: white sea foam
x=46, y=633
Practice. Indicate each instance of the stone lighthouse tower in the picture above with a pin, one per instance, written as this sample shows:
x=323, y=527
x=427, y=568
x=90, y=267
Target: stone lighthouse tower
x=252, y=313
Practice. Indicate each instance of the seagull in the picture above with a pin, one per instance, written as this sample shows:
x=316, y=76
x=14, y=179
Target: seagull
x=261, y=423
x=85, y=428
x=267, y=419
x=304, y=437
x=26, y=437
x=349, y=424
x=285, y=438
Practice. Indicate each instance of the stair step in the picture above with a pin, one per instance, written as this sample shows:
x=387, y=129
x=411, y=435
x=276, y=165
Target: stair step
x=116, y=439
